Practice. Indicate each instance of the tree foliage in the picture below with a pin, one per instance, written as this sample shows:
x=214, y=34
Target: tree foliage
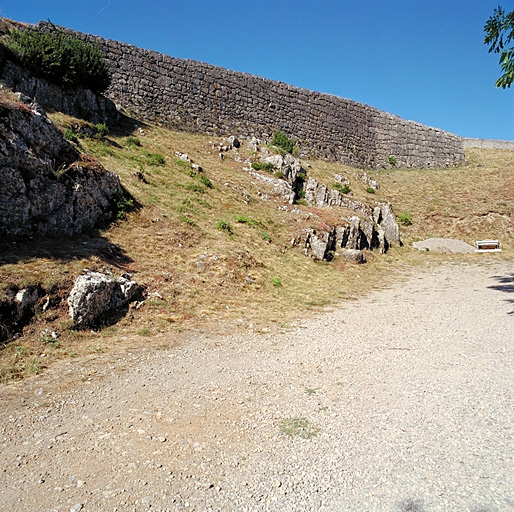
x=60, y=58
x=499, y=31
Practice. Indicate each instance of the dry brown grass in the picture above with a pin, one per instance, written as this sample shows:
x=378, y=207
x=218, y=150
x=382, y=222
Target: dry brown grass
x=200, y=277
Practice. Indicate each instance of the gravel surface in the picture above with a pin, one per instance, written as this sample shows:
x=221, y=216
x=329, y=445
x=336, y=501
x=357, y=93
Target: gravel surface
x=399, y=401
x=444, y=245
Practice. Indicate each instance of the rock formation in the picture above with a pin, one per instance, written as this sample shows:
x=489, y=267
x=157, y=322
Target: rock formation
x=99, y=299
x=361, y=225
x=46, y=188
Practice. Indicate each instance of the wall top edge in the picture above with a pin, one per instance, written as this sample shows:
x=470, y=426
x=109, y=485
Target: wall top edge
x=383, y=113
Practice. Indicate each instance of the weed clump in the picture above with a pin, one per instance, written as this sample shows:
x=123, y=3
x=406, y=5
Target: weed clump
x=155, y=159
x=405, y=218
x=223, y=225
x=100, y=130
x=124, y=204
x=343, y=188
x=277, y=282
x=206, y=181
x=244, y=219
x=261, y=166
x=131, y=142
x=300, y=427
x=70, y=135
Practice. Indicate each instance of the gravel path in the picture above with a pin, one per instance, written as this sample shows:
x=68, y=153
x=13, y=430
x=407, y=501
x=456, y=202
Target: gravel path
x=400, y=401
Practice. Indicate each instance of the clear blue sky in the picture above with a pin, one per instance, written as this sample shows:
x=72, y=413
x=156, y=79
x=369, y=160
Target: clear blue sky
x=424, y=61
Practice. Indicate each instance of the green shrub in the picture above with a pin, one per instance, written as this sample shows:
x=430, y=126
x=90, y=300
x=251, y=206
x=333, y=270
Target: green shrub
x=277, y=282
x=392, y=160
x=132, y=142
x=60, y=58
x=124, y=204
x=343, y=188
x=261, y=166
x=206, y=181
x=100, y=130
x=405, y=218
x=155, y=159
x=69, y=134
x=195, y=187
x=282, y=141
x=370, y=190
x=224, y=226
x=243, y=219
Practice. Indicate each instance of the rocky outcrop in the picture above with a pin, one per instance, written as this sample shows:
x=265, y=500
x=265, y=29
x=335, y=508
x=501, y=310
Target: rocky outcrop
x=17, y=308
x=81, y=103
x=46, y=189
x=383, y=216
x=290, y=170
x=361, y=226
x=100, y=299
x=372, y=227
x=325, y=242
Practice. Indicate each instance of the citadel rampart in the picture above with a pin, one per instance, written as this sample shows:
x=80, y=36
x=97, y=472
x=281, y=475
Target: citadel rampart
x=199, y=97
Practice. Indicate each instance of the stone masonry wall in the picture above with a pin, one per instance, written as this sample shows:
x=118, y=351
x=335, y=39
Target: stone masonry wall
x=199, y=97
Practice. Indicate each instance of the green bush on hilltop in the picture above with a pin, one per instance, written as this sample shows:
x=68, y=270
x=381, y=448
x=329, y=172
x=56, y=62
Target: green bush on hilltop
x=60, y=58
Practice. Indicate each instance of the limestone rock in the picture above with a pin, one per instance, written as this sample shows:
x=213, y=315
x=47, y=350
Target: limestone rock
x=290, y=169
x=45, y=190
x=318, y=243
x=341, y=179
x=354, y=255
x=384, y=216
x=370, y=182
x=98, y=298
x=80, y=103
x=17, y=308
x=234, y=141
x=253, y=145
x=276, y=187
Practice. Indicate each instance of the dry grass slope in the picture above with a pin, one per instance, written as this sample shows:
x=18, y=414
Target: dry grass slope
x=201, y=277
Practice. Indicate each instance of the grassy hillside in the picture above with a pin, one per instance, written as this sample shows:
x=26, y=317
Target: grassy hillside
x=216, y=255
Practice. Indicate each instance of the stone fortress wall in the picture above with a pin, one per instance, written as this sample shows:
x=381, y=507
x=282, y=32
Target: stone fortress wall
x=199, y=97
x=488, y=144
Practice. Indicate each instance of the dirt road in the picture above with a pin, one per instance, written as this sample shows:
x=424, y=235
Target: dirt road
x=400, y=401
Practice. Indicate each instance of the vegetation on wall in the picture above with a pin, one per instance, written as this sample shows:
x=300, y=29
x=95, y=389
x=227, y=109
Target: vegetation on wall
x=283, y=142
x=60, y=58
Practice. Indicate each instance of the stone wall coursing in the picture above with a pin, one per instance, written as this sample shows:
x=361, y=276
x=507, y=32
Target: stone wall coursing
x=199, y=97
x=488, y=143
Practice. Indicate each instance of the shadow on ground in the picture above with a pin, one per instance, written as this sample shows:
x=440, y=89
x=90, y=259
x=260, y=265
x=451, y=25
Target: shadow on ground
x=65, y=249
x=506, y=285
